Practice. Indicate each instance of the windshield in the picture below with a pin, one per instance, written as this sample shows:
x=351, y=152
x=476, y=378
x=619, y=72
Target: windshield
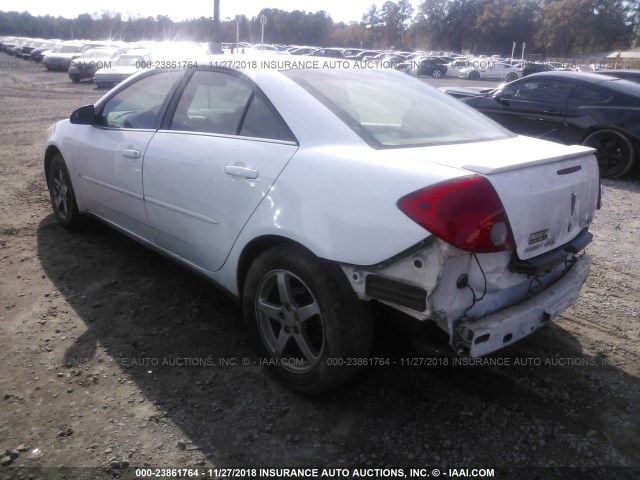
x=390, y=109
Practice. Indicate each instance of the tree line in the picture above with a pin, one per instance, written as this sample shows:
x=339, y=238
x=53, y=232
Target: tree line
x=551, y=27
x=548, y=27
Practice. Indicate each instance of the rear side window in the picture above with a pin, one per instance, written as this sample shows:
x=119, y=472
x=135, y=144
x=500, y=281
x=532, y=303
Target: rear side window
x=217, y=102
x=261, y=122
x=212, y=102
x=589, y=96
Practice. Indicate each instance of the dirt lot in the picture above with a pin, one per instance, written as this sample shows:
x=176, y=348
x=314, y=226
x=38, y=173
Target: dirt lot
x=113, y=358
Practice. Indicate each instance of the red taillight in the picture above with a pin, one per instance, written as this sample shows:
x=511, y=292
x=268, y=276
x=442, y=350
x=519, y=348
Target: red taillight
x=465, y=212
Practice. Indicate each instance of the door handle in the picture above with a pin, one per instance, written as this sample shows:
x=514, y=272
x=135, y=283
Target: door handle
x=551, y=112
x=241, y=171
x=130, y=152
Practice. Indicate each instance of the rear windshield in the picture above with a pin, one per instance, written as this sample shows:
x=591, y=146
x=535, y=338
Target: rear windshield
x=129, y=60
x=390, y=109
x=625, y=85
x=68, y=49
x=98, y=52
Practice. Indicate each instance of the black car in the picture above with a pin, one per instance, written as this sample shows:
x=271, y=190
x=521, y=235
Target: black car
x=425, y=66
x=530, y=68
x=36, y=53
x=572, y=108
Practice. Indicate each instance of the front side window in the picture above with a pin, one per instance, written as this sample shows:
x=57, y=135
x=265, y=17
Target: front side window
x=539, y=90
x=139, y=104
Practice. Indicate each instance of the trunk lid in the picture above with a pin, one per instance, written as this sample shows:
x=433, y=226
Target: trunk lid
x=549, y=191
x=548, y=204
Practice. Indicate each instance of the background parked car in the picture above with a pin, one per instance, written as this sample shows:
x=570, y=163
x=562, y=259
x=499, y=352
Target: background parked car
x=599, y=111
x=365, y=55
x=302, y=50
x=455, y=65
x=8, y=43
x=38, y=53
x=28, y=47
x=487, y=70
x=328, y=52
x=531, y=67
x=391, y=60
x=122, y=67
x=61, y=56
x=16, y=48
x=425, y=67
x=85, y=65
x=352, y=52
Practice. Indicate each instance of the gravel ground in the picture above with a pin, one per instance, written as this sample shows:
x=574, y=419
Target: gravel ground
x=113, y=358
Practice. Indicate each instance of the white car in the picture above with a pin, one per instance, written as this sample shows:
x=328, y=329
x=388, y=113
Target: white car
x=489, y=70
x=122, y=67
x=311, y=194
x=86, y=65
x=454, y=67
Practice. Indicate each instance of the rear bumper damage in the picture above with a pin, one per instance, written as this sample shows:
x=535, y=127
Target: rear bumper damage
x=493, y=332
x=481, y=301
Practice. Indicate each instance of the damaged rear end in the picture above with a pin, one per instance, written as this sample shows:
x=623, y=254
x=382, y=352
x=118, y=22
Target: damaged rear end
x=504, y=252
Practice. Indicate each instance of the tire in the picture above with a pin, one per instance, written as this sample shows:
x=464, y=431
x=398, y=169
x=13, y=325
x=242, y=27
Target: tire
x=614, y=150
x=304, y=319
x=437, y=73
x=512, y=76
x=474, y=75
x=74, y=79
x=63, y=198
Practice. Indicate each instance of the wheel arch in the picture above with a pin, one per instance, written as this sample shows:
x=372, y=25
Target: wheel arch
x=635, y=142
x=49, y=153
x=605, y=126
x=253, y=249
x=474, y=75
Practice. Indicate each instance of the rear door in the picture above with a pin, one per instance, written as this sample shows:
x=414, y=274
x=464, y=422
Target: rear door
x=591, y=105
x=207, y=171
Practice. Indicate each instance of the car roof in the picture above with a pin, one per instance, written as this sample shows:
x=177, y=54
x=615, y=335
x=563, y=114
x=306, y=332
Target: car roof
x=585, y=77
x=608, y=81
x=620, y=70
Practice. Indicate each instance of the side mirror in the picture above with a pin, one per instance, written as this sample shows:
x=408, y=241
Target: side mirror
x=501, y=100
x=84, y=116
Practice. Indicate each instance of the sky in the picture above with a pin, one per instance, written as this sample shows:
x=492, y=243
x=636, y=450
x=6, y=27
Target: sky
x=340, y=10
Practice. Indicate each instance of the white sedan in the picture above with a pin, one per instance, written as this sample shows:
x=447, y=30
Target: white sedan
x=310, y=194
x=483, y=69
x=122, y=67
